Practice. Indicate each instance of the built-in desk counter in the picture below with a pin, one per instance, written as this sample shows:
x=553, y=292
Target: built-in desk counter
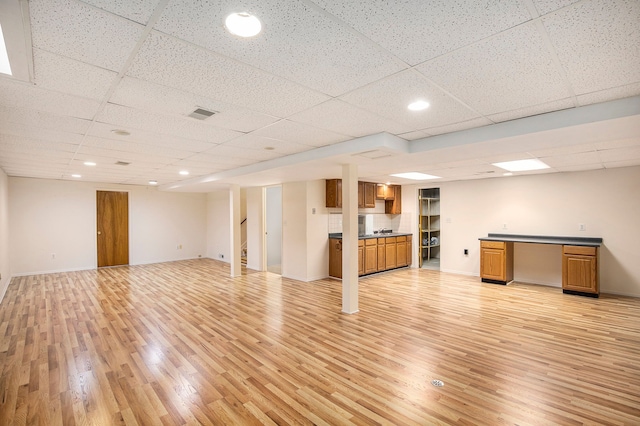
x=579, y=260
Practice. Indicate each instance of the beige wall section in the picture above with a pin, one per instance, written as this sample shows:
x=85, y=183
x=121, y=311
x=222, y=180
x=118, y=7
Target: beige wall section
x=218, y=242
x=5, y=265
x=255, y=228
x=59, y=217
x=305, y=254
x=606, y=201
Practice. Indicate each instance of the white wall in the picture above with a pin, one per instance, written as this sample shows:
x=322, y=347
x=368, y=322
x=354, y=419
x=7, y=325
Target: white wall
x=59, y=217
x=305, y=244
x=606, y=201
x=255, y=228
x=218, y=226
x=5, y=265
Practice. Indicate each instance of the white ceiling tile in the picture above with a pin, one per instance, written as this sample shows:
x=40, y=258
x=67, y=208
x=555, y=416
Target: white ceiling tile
x=83, y=33
x=27, y=131
x=256, y=155
x=341, y=117
x=548, y=6
x=27, y=96
x=464, y=125
x=597, y=43
x=170, y=62
x=62, y=74
x=617, y=143
x=579, y=167
x=328, y=56
x=287, y=130
x=620, y=154
x=219, y=161
x=182, y=127
x=575, y=159
x=148, y=96
x=418, y=30
x=533, y=110
x=280, y=147
x=391, y=96
x=498, y=75
x=21, y=144
x=43, y=120
x=136, y=10
x=126, y=156
x=622, y=163
x=411, y=136
x=609, y=94
x=134, y=147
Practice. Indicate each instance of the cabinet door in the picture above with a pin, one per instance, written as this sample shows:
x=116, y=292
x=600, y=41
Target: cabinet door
x=409, y=250
x=360, y=195
x=401, y=254
x=394, y=206
x=335, y=258
x=382, y=262
x=390, y=254
x=371, y=258
x=492, y=264
x=369, y=195
x=579, y=273
x=360, y=260
x=333, y=193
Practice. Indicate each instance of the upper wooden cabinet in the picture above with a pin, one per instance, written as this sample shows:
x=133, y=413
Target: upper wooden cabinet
x=334, y=193
x=366, y=194
x=394, y=206
x=385, y=192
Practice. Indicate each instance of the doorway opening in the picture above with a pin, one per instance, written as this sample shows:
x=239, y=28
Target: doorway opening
x=273, y=227
x=429, y=228
x=112, y=223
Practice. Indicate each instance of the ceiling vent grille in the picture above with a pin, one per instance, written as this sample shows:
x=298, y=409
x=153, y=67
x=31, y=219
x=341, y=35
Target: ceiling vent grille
x=201, y=114
x=122, y=163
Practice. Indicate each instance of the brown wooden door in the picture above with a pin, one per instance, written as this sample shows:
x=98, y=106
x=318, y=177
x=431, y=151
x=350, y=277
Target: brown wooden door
x=113, y=228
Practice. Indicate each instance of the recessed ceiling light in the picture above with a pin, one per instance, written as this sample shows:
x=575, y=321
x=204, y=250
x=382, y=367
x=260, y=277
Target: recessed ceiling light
x=415, y=176
x=5, y=66
x=507, y=174
x=153, y=182
x=418, y=105
x=89, y=163
x=269, y=148
x=76, y=176
x=522, y=165
x=184, y=173
x=243, y=24
x=120, y=132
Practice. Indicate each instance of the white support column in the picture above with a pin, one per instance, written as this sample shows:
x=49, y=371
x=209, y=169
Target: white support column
x=234, y=237
x=350, y=238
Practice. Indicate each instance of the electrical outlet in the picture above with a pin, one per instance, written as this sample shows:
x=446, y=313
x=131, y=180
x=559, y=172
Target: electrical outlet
x=504, y=226
x=53, y=255
x=466, y=252
x=221, y=256
x=179, y=247
x=582, y=227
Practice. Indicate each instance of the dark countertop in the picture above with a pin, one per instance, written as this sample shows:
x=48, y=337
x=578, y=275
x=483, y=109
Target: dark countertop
x=544, y=239
x=338, y=235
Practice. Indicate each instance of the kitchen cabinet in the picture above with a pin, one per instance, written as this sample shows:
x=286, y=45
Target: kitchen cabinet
x=333, y=193
x=394, y=206
x=580, y=269
x=390, y=253
x=382, y=262
x=409, y=250
x=335, y=257
x=370, y=255
x=360, y=257
x=496, y=261
x=384, y=192
x=366, y=194
x=401, y=251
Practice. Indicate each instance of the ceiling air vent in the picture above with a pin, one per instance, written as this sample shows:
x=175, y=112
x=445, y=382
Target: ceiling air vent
x=122, y=163
x=201, y=114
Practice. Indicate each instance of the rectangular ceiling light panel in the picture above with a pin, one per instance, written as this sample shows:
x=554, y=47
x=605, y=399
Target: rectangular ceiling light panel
x=522, y=165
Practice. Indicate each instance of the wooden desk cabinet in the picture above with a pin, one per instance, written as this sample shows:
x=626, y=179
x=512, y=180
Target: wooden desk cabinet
x=496, y=261
x=580, y=269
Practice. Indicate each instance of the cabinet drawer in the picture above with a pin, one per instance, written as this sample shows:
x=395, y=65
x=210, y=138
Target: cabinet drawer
x=390, y=240
x=382, y=241
x=493, y=244
x=360, y=243
x=401, y=239
x=371, y=242
x=581, y=250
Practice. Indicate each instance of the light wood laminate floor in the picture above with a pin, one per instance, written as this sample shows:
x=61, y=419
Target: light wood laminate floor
x=182, y=343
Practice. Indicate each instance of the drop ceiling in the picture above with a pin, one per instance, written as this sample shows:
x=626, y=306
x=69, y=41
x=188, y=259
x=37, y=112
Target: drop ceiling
x=327, y=82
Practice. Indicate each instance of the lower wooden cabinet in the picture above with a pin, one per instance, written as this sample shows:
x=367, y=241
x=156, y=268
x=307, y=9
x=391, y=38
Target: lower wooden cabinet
x=496, y=261
x=580, y=269
x=374, y=254
x=370, y=255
